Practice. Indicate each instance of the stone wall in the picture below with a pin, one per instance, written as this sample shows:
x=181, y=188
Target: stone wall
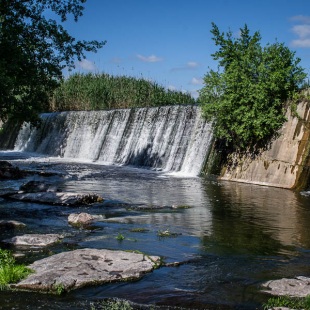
x=285, y=163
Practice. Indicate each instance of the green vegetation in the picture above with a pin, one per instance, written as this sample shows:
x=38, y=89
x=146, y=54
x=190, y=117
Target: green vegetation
x=288, y=302
x=120, y=237
x=166, y=233
x=10, y=272
x=113, y=305
x=139, y=230
x=104, y=91
x=59, y=288
x=248, y=95
x=33, y=51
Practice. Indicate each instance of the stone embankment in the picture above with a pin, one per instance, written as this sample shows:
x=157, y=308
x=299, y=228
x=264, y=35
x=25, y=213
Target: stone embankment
x=286, y=163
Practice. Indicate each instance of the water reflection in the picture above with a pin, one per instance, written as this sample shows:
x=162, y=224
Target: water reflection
x=257, y=217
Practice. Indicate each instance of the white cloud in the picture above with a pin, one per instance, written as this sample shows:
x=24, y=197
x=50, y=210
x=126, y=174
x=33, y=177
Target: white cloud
x=301, y=43
x=151, y=58
x=196, y=81
x=301, y=18
x=302, y=31
x=87, y=65
x=116, y=60
x=194, y=93
x=172, y=87
x=191, y=65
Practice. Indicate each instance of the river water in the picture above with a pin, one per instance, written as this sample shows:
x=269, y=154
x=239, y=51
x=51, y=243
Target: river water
x=232, y=237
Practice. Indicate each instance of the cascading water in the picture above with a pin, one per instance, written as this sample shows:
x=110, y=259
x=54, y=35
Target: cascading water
x=170, y=138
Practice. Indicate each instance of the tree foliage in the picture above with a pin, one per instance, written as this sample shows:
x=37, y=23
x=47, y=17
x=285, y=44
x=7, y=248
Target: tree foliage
x=33, y=51
x=246, y=97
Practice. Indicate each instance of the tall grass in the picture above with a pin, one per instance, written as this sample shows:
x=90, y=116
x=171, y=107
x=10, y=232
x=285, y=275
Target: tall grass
x=10, y=272
x=104, y=91
x=288, y=302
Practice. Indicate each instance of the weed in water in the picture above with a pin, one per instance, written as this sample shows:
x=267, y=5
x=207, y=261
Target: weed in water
x=140, y=230
x=166, y=233
x=120, y=237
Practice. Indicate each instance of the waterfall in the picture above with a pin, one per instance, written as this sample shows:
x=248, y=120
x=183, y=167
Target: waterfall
x=170, y=138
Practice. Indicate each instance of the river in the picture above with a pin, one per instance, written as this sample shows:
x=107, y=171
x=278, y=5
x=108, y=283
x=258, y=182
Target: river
x=231, y=238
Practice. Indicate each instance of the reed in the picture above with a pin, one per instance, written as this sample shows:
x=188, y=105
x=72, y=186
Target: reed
x=104, y=91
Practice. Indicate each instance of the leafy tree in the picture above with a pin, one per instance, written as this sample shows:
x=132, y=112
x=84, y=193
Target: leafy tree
x=33, y=51
x=246, y=97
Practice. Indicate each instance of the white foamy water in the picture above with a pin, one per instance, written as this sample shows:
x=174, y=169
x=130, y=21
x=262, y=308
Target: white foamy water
x=172, y=139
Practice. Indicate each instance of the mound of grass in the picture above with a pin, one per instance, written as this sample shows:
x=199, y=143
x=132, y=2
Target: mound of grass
x=10, y=272
x=288, y=302
x=104, y=91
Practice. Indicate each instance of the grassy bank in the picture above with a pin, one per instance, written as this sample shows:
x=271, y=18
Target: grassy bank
x=104, y=91
x=10, y=272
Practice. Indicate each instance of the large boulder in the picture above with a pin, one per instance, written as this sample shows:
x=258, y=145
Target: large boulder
x=297, y=287
x=82, y=218
x=71, y=270
x=33, y=240
x=59, y=198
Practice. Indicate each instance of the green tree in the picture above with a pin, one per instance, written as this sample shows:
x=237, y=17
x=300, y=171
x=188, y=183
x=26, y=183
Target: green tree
x=33, y=51
x=247, y=96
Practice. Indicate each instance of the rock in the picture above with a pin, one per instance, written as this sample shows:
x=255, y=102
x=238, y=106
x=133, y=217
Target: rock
x=297, y=287
x=6, y=193
x=59, y=198
x=37, y=186
x=75, y=269
x=8, y=171
x=11, y=224
x=153, y=207
x=82, y=218
x=35, y=240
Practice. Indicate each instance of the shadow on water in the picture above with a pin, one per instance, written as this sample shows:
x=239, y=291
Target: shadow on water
x=233, y=236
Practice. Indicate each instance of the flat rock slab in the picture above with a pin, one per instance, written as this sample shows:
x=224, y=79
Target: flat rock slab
x=34, y=240
x=297, y=287
x=75, y=269
x=59, y=198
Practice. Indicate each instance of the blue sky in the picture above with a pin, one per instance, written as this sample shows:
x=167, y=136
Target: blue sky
x=169, y=41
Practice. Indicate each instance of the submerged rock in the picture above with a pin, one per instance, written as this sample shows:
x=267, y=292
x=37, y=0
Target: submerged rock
x=8, y=171
x=11, y=224
x=34, y=240
x=82, y=218
x=37, y=186
x=75, y=269
x=59, y=198
x=154, y=207
x=297, y=287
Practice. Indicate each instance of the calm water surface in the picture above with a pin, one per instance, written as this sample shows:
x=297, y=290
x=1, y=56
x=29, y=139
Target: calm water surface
x=233, y=237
